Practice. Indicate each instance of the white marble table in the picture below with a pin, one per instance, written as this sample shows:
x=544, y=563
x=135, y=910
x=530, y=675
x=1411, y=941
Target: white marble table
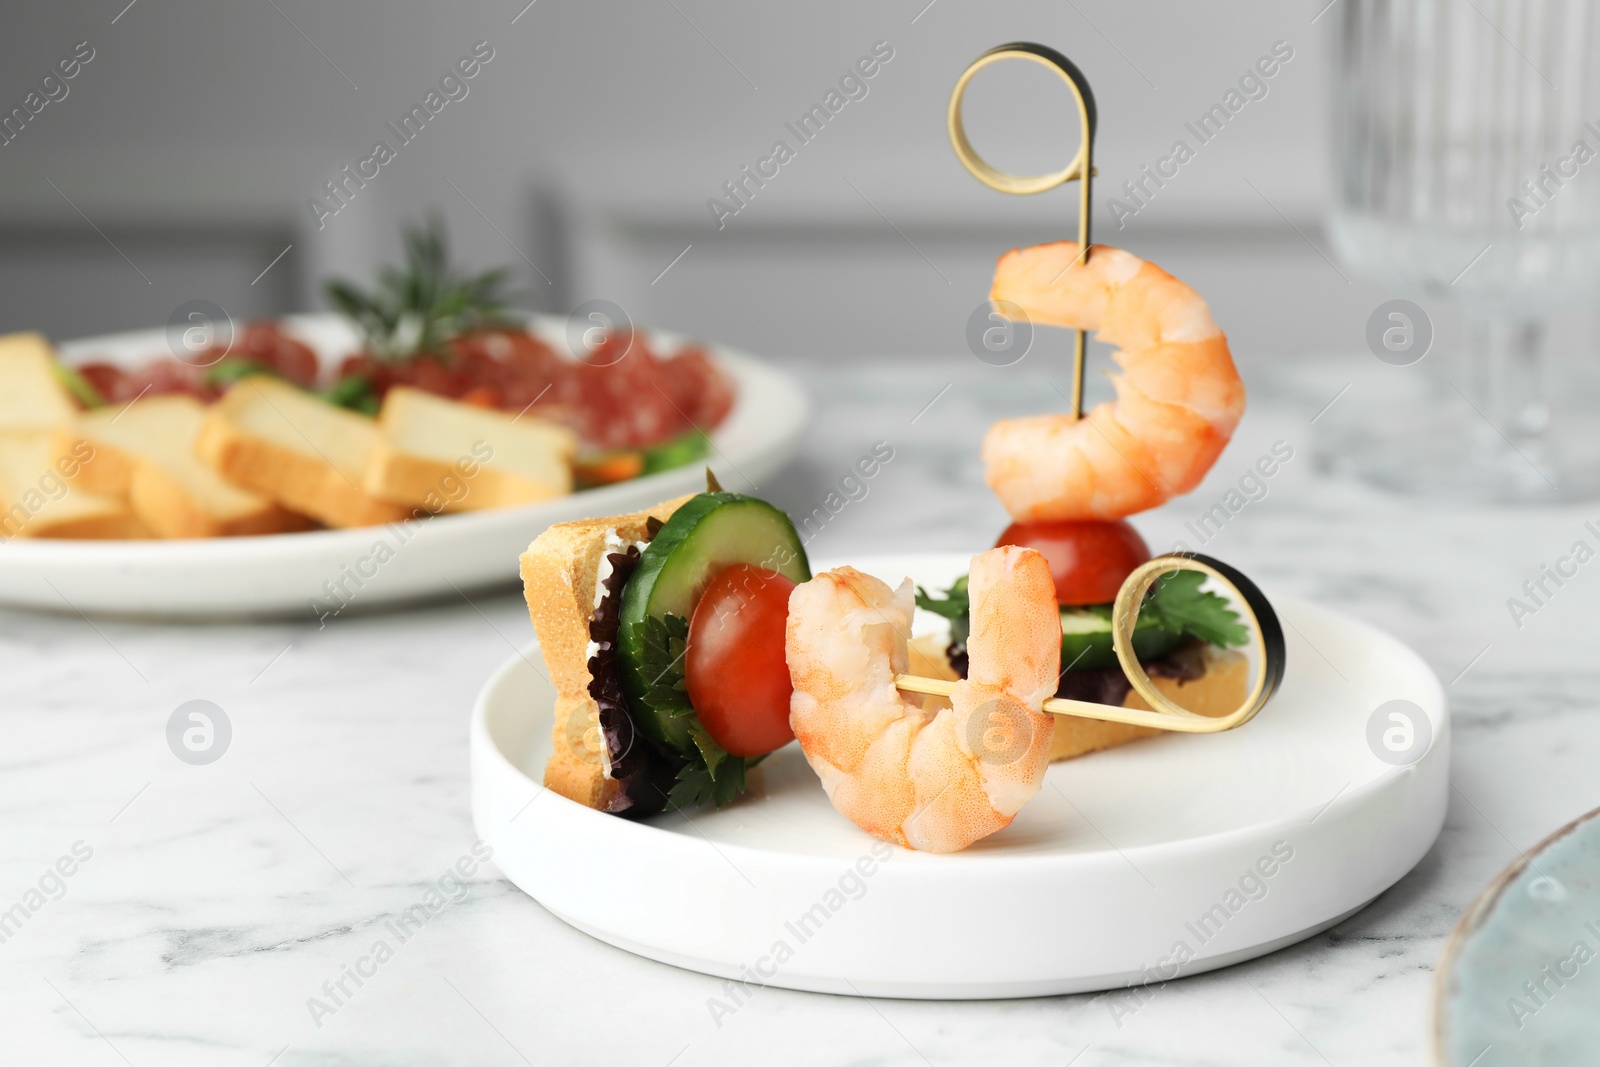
x=219, y=899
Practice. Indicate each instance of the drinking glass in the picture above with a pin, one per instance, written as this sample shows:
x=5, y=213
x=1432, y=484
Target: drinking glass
x=1466, y=148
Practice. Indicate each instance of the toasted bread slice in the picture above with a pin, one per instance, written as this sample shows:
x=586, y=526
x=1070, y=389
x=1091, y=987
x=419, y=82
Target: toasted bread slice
x=282, y=442
x=31, y=397
x=559, y=572
x=444, y=455
x=99, y=465
x=145, y=452
x=1216, y=693
x=38, y=498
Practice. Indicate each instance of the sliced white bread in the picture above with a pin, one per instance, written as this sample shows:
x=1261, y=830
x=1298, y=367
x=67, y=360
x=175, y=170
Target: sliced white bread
x=31, y=397
x=39, y=499
x=282, y=442
x=444, y=455
x=559, y=573
x=145, y=451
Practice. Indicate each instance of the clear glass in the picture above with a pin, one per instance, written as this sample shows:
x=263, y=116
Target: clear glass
x=1466, y=138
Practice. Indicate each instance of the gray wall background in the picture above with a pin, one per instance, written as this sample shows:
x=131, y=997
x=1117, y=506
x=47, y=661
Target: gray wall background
x=587, y=147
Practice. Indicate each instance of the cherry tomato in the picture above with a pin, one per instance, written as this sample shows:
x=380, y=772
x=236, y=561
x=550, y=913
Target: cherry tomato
x=1089, y=559
x=737, y=673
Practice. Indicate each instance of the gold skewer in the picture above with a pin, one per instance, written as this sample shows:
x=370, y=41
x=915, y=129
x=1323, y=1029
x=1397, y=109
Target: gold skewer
x=1080, y=169
x=1264, y=626
x=1125, y=612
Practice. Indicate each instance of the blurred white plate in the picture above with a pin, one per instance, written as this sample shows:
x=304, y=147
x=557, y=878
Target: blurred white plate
x=285, y=573
x=1122, y=858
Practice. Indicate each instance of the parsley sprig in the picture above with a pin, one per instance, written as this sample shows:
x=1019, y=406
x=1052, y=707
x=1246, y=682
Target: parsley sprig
x=1176, y=604
x=709, y=774
x=954, y=605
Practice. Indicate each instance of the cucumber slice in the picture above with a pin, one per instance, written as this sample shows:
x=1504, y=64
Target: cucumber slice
x=710, y=532
x=1086, y=640
x=679, y=452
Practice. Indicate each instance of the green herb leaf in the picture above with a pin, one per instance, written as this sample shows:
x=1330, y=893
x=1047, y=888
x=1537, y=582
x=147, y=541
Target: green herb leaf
x=712, y=753
x=231, y=370
x=709, y=775
x=1176, y=603
x=420, y=308
x=76, y=384
x=697, y=786
x=664, y=639
x=678, y=452
x=954, y=605
x=1180, y=606
x=694, y=787
x=354, y=392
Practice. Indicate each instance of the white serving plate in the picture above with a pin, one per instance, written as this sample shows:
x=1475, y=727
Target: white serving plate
x=284, y=574
x=1094, y=885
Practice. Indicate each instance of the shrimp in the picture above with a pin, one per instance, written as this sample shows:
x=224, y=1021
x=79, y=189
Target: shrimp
x=1178, y=398
x=934, y=780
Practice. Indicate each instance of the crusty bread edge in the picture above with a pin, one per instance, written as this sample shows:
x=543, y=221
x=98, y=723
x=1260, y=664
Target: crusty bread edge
x=160, y=501
x=105, y=516
x=558, y=581
x=32, y=346
x=108, y=471
x=171, y=511
x=422, y=481
x=299, y=482
x=116, y=523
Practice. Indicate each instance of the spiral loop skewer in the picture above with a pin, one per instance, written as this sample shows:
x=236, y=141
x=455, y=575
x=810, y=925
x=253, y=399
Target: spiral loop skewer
x=1080, y=169
x=1166, y=714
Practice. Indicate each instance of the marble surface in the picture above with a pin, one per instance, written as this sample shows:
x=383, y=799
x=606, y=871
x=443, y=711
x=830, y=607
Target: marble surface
x=217, y=900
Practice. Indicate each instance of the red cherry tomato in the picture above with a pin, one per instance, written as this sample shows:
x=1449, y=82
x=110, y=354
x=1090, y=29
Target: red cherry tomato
x=1088, y=559
x=737, y=673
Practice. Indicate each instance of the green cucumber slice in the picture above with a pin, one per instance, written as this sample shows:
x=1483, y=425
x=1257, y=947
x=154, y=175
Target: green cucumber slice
x=1086, y=639
x=678, y=452
x=710, y=532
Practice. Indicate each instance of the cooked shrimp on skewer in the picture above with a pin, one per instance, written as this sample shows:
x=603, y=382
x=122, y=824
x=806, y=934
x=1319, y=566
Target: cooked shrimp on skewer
x=1178, y=398
x=934, y=781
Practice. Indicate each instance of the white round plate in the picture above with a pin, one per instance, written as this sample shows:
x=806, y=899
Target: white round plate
x=1165, y=857
x=300, y=573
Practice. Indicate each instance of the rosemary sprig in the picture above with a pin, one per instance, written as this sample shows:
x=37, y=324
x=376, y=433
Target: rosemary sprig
x=418, y=309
